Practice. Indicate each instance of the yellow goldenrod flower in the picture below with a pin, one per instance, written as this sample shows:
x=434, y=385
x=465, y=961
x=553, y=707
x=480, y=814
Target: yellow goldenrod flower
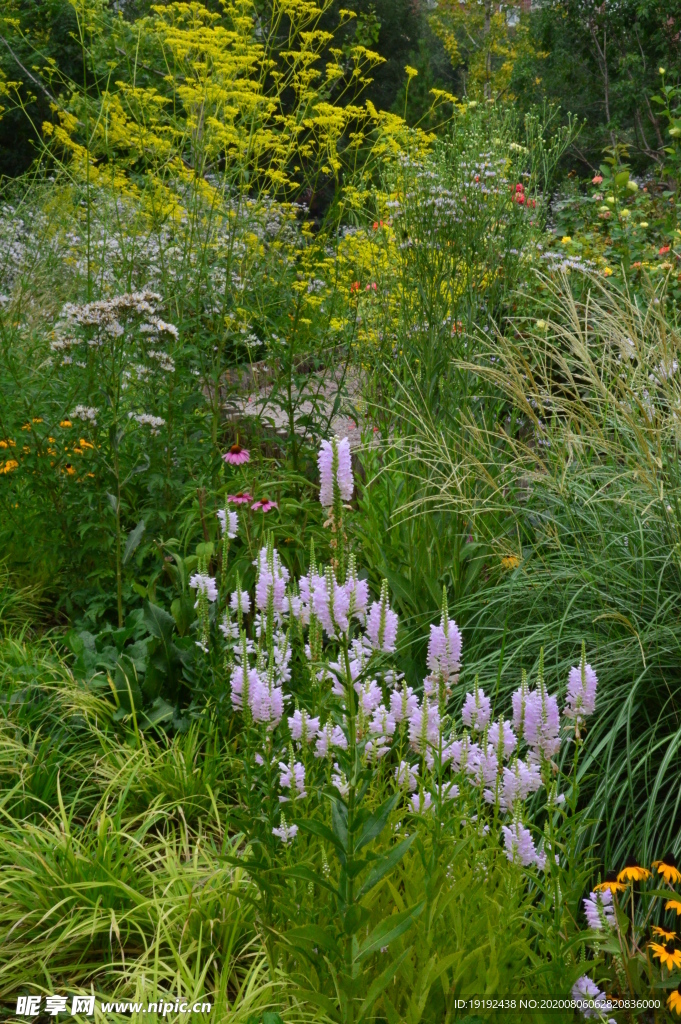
x=663, y=933
x=674, y=1001
x=633, y=873
x=411, y=72
x=667, y=955
x=668, y=869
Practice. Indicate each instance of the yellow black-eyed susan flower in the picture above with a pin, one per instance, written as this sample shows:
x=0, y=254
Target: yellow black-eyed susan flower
x=66, y=423
x=509, y=562
x=674, y=1001
x=673, y=905
x=668, y=869
x=633, y=872
x=611, y=882
x=667, y=954
x=663, y=933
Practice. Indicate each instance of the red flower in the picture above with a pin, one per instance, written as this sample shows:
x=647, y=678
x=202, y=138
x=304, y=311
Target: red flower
x=354, y=287
x=519, y=187
x=663, y=249
x=375, y=225
x=597, y=179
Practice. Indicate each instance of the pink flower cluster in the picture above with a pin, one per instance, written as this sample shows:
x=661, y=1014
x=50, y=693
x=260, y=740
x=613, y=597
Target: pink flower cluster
x=337, y=450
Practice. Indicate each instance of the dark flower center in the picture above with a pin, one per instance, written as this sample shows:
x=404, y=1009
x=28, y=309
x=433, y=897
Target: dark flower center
x=236, y=449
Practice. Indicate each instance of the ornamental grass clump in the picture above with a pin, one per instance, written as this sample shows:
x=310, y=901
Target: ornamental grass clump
x=348, y=769
x=576, y=470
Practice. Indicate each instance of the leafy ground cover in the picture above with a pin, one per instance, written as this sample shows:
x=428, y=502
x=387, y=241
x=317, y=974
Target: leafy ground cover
x=310, y=733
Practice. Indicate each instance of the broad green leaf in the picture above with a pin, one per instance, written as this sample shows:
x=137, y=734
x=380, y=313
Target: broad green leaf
x=311, y=935
x=389, y=929
x=339, y=822
x=385, y=864
x=376, y=823
x=354, y=919
x=159, y=623
x=317, y=828
x=381, y=982
x=160, y=711
x=664, y=894
x=134, y=537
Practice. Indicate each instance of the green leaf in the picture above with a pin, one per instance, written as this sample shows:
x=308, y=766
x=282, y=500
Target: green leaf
x=664, y=894
x=159, y=623
x=381, y=982
x=354, y=919
x=134, y=537
x=270, y=1017
x=311, y=935
x=389, y=929
x=317, y=828
x=182, y=610
x=376, y=823
x=160, y=711
x=306, y=874
x=339, y=822
x=385, y=864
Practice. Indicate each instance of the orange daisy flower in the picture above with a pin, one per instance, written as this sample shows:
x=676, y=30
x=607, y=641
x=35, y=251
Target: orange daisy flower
x=632, y=872
x=674, y=1001
x=610, y=883
x=668, y=869
x=667, y=954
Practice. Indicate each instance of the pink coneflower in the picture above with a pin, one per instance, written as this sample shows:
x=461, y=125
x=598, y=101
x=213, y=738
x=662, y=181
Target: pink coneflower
x=264, y=505
x=240, y=498
x=236, y=456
